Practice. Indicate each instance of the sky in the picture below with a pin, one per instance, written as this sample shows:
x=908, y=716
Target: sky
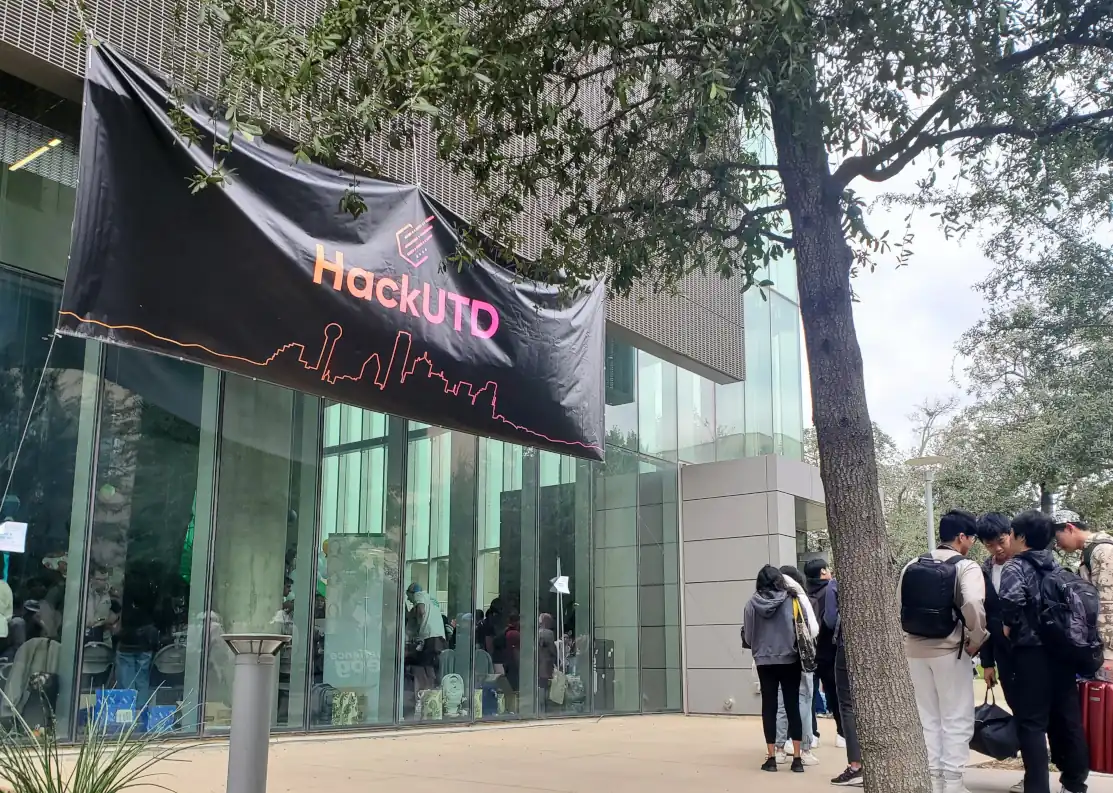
x=910, y=318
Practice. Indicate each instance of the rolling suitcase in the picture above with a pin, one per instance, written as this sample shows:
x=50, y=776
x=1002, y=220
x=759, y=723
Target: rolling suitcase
x=1097, y=723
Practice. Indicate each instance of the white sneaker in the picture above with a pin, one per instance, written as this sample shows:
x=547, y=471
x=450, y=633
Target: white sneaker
x=954, y=786
x=815, y=741
x=788, y=747
x=840, y=742
x=808, y=758
x=936, y=783
x=782, y=758
x=1018, y=787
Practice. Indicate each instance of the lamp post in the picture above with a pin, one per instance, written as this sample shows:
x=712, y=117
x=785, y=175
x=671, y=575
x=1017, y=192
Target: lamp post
x=927, y=464
x=252, y=700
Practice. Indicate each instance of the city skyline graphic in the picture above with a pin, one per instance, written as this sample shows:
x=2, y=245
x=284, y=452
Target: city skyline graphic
x=402, y=362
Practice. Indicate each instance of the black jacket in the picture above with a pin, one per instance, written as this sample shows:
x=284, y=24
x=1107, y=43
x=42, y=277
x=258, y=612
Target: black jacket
x=825, y=642
x=996, y=644
x=1020, y=596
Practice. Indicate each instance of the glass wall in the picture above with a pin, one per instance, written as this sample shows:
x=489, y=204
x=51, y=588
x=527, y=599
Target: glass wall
x=265, y=522
x=135, y=628
x=356, y=585
x=421, y=575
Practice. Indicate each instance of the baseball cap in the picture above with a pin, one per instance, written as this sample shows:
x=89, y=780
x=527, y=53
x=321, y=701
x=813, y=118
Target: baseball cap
x=1061, y=517
x=6, y=606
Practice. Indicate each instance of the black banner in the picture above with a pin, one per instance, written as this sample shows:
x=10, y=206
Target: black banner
x=269, y=277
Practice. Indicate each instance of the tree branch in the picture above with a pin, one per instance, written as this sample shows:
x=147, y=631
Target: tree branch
x=913, y=142
x=983, y=131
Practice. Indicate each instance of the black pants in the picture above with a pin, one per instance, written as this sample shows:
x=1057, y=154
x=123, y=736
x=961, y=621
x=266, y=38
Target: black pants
x=825, y=673
x=787, y=677
x=846, y=705
x=1044, y=698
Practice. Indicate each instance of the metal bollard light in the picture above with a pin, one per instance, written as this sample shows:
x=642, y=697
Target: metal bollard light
x=252, y=701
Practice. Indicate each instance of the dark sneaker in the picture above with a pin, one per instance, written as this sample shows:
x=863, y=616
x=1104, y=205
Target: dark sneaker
x=849, y=777
x=797, y=765
x=770, y=764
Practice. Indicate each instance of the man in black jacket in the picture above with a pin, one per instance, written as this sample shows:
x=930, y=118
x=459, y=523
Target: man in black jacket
x=819, y=581
x=996, y=534
x=1043, y=693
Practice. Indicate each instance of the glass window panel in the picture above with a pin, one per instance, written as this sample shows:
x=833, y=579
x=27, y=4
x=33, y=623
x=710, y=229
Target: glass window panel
x=264, y=549
x=564, y=589
x=137, y=623
x=659, y=586
x=506, y=581
x=620, y=372
x=787, y=374
x=356, y=591
x=42, y=481
x=614, y=653
x=437, y=678
x=730, y=421
x=656, y=406
x=759, y=375
x=697, y=424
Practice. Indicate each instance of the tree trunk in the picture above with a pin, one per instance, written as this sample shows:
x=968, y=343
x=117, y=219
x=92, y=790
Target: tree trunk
x=889, y=729
x=1045, y=499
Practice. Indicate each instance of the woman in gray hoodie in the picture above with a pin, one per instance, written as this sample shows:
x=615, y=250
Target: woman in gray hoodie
x=770, y=632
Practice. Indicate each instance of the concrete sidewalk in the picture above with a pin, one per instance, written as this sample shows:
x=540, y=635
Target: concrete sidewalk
x=640, y=754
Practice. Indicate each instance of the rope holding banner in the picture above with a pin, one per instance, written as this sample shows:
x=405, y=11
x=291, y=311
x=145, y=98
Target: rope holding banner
x=30, y=416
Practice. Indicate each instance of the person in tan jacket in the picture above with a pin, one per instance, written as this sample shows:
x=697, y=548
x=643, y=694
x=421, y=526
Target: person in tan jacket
x=941, y=597
x=1072, y=534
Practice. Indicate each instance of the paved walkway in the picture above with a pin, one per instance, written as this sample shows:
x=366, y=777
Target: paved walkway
x=641, y=754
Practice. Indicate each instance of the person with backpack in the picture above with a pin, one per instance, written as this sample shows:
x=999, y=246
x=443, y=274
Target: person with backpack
x=996, y=533
x=794, y=580
x=941, y=598
x=1039, y=603
x=818, y=583
x=1072, y=534
x=770, y=629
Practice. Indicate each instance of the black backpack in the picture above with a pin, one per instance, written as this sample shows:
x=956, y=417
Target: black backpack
x=927, y=597
x=1068, y=619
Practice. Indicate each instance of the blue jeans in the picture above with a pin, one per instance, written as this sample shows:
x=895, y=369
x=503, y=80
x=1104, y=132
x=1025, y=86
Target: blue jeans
x=807, y=687
x=133, y=670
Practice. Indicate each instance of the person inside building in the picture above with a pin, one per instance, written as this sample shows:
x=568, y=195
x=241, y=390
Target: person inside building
x=941, y=599
x=428, y=636
x=794, y=579
x=1045, y=699
x=996, y=534
x=1072, y=534
x=769, y=631
x=852, y=776
x=818, y=582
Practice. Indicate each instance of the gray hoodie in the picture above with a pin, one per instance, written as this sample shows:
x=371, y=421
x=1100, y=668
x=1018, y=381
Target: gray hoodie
x=769, y=629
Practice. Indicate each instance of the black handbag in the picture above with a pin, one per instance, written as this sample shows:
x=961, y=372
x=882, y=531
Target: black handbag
x=994, y=730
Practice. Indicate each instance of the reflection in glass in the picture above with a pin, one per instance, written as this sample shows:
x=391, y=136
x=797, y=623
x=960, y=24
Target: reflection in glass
x=656, y=406
x=356, y=593
x=621, y=383
x=759, y=376
x=41, y=490
x=730, y=421
x=563, y=648
x=263, y=543
x=440, y=542
x=696, y=420
x=786, y=376
x=659, y=586
x=506, y=577
x=135, y=628
x=615, y=662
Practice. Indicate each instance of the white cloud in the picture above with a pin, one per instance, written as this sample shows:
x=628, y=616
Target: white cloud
x=909, y=318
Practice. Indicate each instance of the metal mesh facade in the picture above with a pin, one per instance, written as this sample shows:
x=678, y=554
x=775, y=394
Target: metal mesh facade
x=702, y=322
